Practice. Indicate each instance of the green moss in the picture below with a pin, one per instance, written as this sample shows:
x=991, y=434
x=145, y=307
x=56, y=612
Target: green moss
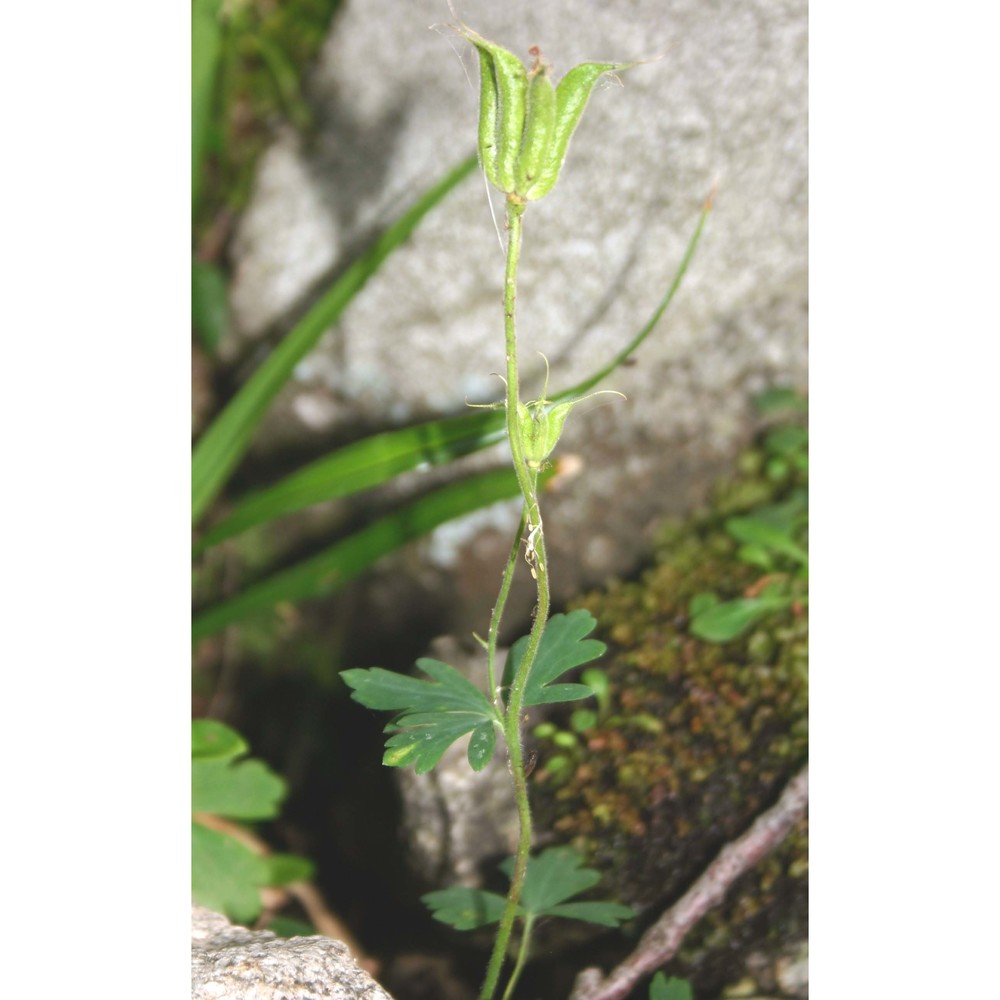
x=652, y=804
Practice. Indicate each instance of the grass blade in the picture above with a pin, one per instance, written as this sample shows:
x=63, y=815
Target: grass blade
x=360, y=466
x=633, y=344
x=375, y=460
x=330, y=569
x=225, y=442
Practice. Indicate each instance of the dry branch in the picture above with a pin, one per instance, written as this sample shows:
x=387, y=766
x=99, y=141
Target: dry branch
x=661, y=942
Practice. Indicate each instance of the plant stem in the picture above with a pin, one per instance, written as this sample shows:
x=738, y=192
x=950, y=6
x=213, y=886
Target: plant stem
x=537, y=560
x=522, y=957
x=494, y=632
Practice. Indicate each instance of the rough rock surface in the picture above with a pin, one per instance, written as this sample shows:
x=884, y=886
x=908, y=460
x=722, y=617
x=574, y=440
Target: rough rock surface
x=397, y=103
x=233, y=963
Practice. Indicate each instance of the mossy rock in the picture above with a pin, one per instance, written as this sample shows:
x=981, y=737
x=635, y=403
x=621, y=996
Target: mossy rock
x=695, y=739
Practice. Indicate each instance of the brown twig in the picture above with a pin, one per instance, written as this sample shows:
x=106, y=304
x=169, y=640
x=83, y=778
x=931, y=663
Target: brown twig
x=661, y=942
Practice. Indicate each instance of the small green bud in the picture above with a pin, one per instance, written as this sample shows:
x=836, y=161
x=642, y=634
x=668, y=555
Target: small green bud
x=540, y=423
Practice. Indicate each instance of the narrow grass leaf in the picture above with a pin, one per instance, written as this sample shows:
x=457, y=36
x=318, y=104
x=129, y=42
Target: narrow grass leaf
x=360, y=466
x=223, y=445
x=377, y=459
x=330, y=569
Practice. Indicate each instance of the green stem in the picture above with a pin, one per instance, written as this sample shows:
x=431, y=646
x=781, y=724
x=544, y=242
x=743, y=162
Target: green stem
x=522, y=957
x=494, y=632
x=539, y=565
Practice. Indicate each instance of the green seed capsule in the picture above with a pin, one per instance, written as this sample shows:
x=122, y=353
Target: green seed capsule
x=525, y=124
x=539, y=126
x=506, y=90
x=488, y=112
x=572, y=95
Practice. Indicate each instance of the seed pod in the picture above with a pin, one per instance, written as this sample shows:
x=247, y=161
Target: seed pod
x=572, y=95
x=488, y=111
x=539, y=125
x=502, y=102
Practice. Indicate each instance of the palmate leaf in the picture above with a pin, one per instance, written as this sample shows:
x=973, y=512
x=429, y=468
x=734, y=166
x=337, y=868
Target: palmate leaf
x=563, y=647
x=662, y=988
x=552, y=878
x=432, y=713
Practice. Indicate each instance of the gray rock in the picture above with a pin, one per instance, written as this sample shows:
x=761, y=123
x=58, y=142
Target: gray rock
x=233, y=963
x=398, y=106
x=453, y=817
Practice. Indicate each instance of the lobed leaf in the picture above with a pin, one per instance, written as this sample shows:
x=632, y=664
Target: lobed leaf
x=211, y=740
x=552, y=877
x=226, y=876
x=662, y=988
x=433, y=713
x=463, y=908
x=563, y=647
x=246, y=789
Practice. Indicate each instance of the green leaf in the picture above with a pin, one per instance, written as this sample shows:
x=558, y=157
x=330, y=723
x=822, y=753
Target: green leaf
x=562, y=648
x=206, y=46
x=360, y=466
x=775, y=400
x=433, y=713
x=701, y=602
x=226, y=876
x=330, y=569
x=224, y=443
x=552, y=878
x=756, y=529
x=246, y=789
x=786, y=441
x=284, y=869
x=211, y=740
x=288, y=927
x=731, y=619
x=662, y=988
x=463, y=908
x=375, y=460
x=209, y=304
x=605, y=914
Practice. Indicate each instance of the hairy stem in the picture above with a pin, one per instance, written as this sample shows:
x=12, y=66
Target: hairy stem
x=494, y=633
x=522, y=958
x=535, y=554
